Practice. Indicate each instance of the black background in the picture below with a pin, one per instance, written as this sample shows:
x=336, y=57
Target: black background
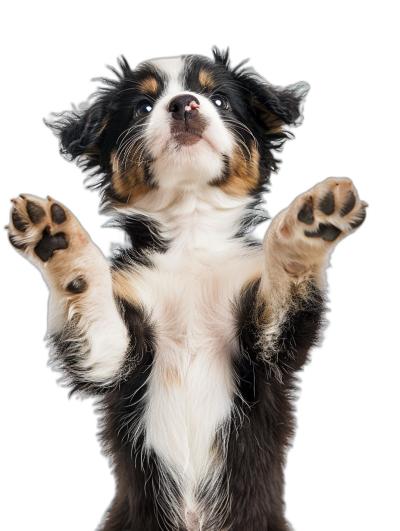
x=56, y=474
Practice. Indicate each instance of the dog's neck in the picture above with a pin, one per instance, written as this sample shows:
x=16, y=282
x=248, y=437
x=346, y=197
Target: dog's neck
x=195, y=217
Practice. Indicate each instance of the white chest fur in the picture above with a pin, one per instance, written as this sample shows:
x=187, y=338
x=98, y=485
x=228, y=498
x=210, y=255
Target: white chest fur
x=190, y=298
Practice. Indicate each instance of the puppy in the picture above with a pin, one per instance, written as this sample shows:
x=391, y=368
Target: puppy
x=190, y=336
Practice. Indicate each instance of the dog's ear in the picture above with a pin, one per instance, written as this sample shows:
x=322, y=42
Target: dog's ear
x=275, y=106
x=80, y=131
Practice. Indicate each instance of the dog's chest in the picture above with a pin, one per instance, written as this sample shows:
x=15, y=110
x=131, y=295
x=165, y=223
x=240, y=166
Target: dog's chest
x=191, y=298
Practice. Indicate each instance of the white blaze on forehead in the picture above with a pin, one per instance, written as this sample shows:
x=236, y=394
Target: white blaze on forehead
x=176, y=165
x=172, y=68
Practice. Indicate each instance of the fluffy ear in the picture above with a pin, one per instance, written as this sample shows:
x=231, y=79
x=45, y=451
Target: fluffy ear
x=80, y=131
x=275, y=106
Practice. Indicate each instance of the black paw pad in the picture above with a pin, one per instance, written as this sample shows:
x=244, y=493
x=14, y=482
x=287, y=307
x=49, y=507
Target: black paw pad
x=58, y=214
x=348, y=204
x=327, y=204
x=326, y=231
x=35, y=212
x=17, y=245
x=18, y=222
x=306, y=215
x=78, y=285
x=361, y=217
x=48, y=244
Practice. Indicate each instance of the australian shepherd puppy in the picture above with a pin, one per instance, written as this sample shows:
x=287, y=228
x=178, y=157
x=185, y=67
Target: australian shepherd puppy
x=190, y=336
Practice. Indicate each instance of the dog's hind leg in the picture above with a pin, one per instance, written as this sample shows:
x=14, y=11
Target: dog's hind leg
x=86, y=328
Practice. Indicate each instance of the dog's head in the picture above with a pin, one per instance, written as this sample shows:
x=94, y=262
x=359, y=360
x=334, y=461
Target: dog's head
x=181, y=122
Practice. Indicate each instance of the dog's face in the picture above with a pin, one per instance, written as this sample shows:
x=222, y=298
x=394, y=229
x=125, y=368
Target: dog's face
x=181, y=122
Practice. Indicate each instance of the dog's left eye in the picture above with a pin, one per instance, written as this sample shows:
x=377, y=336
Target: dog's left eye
x=144, y=109
x=220, y=101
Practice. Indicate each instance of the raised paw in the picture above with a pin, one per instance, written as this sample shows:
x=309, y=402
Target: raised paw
x=41, y=228
x=330, y=210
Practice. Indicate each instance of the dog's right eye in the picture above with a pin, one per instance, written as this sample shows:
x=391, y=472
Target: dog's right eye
x=144, y=109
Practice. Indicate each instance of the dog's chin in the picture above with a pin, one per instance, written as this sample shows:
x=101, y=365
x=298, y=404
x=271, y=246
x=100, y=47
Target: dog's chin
x=187, y=138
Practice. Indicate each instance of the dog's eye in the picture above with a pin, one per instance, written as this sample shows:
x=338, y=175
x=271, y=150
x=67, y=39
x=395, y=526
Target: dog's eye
x=144, y=109
x=220, y=101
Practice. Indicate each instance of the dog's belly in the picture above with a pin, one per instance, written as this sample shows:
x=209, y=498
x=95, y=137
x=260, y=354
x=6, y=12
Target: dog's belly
x=190, y=395
x=188, y=402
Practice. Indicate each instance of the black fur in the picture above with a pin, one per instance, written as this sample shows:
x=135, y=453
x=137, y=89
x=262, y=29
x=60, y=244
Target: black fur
x=135, y=502
x=143, y=232
x=257, y=448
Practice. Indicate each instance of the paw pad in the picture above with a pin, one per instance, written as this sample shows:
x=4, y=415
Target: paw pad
x=35, y=212
x=306, y=215
x=327, y=204
x=348, y=205
x=18, y=222
x=57, y=214
x=78, y=285
x=326, y=231
x=48, y=244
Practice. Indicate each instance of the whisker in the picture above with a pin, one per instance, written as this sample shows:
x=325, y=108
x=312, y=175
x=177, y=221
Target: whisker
x=240, y=141
x=243, y=126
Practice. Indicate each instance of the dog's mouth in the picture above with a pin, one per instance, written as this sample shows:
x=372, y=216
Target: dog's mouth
x=188, y=137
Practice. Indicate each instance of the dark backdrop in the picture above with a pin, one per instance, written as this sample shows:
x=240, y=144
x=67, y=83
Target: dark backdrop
x=57, y=476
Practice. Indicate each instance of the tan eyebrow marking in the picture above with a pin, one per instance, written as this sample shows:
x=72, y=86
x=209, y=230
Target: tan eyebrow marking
x=149, y=85
x=206, y=79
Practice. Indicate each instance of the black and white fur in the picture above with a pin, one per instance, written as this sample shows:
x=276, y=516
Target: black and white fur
x=191, y=336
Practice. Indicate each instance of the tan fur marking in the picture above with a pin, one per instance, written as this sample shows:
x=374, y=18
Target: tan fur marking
x=171, y=377
x=243, y=174
x=129, y=183
x=206, y=79
x=122, y=285
x=149, y=85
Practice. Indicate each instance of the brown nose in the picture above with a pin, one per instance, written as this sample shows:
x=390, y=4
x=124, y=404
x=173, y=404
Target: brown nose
x=183, y=107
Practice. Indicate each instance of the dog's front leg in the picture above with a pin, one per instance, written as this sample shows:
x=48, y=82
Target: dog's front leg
x=89, y=337
x=297, y=247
